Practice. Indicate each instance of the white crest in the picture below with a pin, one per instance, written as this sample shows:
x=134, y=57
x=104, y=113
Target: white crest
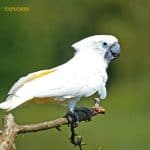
x=87, y=42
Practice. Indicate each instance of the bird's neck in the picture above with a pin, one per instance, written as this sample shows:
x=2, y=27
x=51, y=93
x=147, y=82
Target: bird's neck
x=91, y=59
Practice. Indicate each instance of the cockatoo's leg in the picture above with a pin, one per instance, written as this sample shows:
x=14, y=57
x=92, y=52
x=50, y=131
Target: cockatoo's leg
x=71, y=115
x=72, y=105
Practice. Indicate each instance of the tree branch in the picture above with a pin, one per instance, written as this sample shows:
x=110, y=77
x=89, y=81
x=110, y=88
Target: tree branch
x=55, y=123
x=11, y=129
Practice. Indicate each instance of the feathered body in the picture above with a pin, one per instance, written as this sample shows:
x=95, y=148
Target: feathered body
x=82, y=76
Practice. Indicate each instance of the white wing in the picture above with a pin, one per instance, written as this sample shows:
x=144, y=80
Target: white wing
x=23, y=80
x=57, y=82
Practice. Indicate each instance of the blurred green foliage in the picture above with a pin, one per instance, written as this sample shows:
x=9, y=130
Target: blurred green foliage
x=41, y=38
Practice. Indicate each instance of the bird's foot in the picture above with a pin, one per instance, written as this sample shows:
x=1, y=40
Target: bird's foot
x=72, y=118
x=84, y=113
x=79, y=114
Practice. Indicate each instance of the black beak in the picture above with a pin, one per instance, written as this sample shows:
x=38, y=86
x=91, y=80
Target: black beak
x=115, y=50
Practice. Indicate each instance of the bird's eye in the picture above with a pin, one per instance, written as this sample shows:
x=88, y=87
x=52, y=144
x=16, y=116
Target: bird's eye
x=104, y=44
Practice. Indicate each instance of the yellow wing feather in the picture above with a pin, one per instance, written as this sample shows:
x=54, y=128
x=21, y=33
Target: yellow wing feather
x=30, y=77
x=40, y=74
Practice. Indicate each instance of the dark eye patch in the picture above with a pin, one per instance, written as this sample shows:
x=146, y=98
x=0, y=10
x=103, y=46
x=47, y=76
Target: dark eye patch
x=104, y=44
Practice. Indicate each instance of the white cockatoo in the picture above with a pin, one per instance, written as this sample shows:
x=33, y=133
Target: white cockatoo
x=82, y=76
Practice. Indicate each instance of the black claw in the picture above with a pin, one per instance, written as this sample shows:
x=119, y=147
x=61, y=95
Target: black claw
x=79, y=114
x=72, y=118
x=84, y=112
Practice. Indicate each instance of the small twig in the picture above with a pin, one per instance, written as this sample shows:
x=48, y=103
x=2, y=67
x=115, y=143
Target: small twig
x=42, y=126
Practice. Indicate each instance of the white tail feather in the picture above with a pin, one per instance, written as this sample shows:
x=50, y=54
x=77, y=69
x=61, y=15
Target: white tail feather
x=12, y=102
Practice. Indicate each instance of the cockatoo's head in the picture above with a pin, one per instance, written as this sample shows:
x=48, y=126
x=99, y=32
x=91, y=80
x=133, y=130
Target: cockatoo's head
x=106, y=45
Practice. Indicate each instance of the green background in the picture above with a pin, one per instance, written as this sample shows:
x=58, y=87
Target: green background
x=41, y=38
